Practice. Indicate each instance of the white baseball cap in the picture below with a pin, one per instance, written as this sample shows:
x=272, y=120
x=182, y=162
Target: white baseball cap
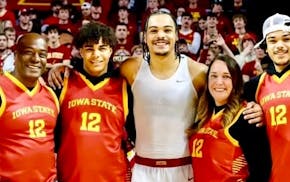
x=86, y=5
x=274, y=23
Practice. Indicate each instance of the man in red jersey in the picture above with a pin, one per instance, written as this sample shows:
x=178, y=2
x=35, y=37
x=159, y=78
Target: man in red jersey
x=272, y=93
x=94, y=108
x=28, y=116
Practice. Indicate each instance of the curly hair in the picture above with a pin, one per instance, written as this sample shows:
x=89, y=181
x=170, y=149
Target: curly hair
x=93, y=32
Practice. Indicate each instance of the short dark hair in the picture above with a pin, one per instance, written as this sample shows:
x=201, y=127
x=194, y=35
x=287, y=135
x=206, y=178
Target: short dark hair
x=187, y=14
x=93, y=32
x=52, y=28
x=121, y=24
x=239, y=15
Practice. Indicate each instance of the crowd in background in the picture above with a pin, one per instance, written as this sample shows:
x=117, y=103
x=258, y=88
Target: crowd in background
x=222, y=54
x=206, y=28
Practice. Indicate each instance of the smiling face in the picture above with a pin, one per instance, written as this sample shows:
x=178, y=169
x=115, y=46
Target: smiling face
x=30, y=58
x=161, y=35
x=96, y=57
x=278, y=48
x=220, y=83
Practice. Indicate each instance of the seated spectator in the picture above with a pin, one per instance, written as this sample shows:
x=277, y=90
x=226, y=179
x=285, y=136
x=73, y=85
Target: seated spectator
x=195, y=10
x=124, y=16
x=137, y=50
x=24, y=24
x=10, y=33
x=57, y=52
x=6, y=55
x=35, y=19
x=217, y=46
x=192, y=37
x=224, y=23
x=247, y=50
x=254, y=67
x=64, y=22
x=53, y=17
x=124, y=43
x=201, y=27
x=179, y=11
x=97, y=12
x=6, y=14
x=86, y=11
x=183, y=49
x=233, y=40
x=4, y=24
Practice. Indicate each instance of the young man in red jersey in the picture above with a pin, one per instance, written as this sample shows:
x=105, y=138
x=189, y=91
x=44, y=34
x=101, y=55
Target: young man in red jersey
x=271, y=91
x=28, y=116
x=93, y=112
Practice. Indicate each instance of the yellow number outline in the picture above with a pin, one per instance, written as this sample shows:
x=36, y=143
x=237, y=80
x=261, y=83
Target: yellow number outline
x=197, y=148
x=36, y=128
x=90, y=122
x=278, y=115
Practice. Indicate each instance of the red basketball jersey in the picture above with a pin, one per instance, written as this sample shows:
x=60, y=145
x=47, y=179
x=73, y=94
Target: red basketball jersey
x=27, y=122
x=92, y=128
x=273, y=94
x=216, y=156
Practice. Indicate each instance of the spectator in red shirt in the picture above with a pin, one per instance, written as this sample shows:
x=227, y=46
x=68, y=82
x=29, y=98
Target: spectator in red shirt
x=6, y=14
x=53, y=18
x=195, y=10
x=125, y=16
x=24, y=23
x=224, y=22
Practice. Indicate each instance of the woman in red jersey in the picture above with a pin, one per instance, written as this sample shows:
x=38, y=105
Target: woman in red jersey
x=224, y=146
